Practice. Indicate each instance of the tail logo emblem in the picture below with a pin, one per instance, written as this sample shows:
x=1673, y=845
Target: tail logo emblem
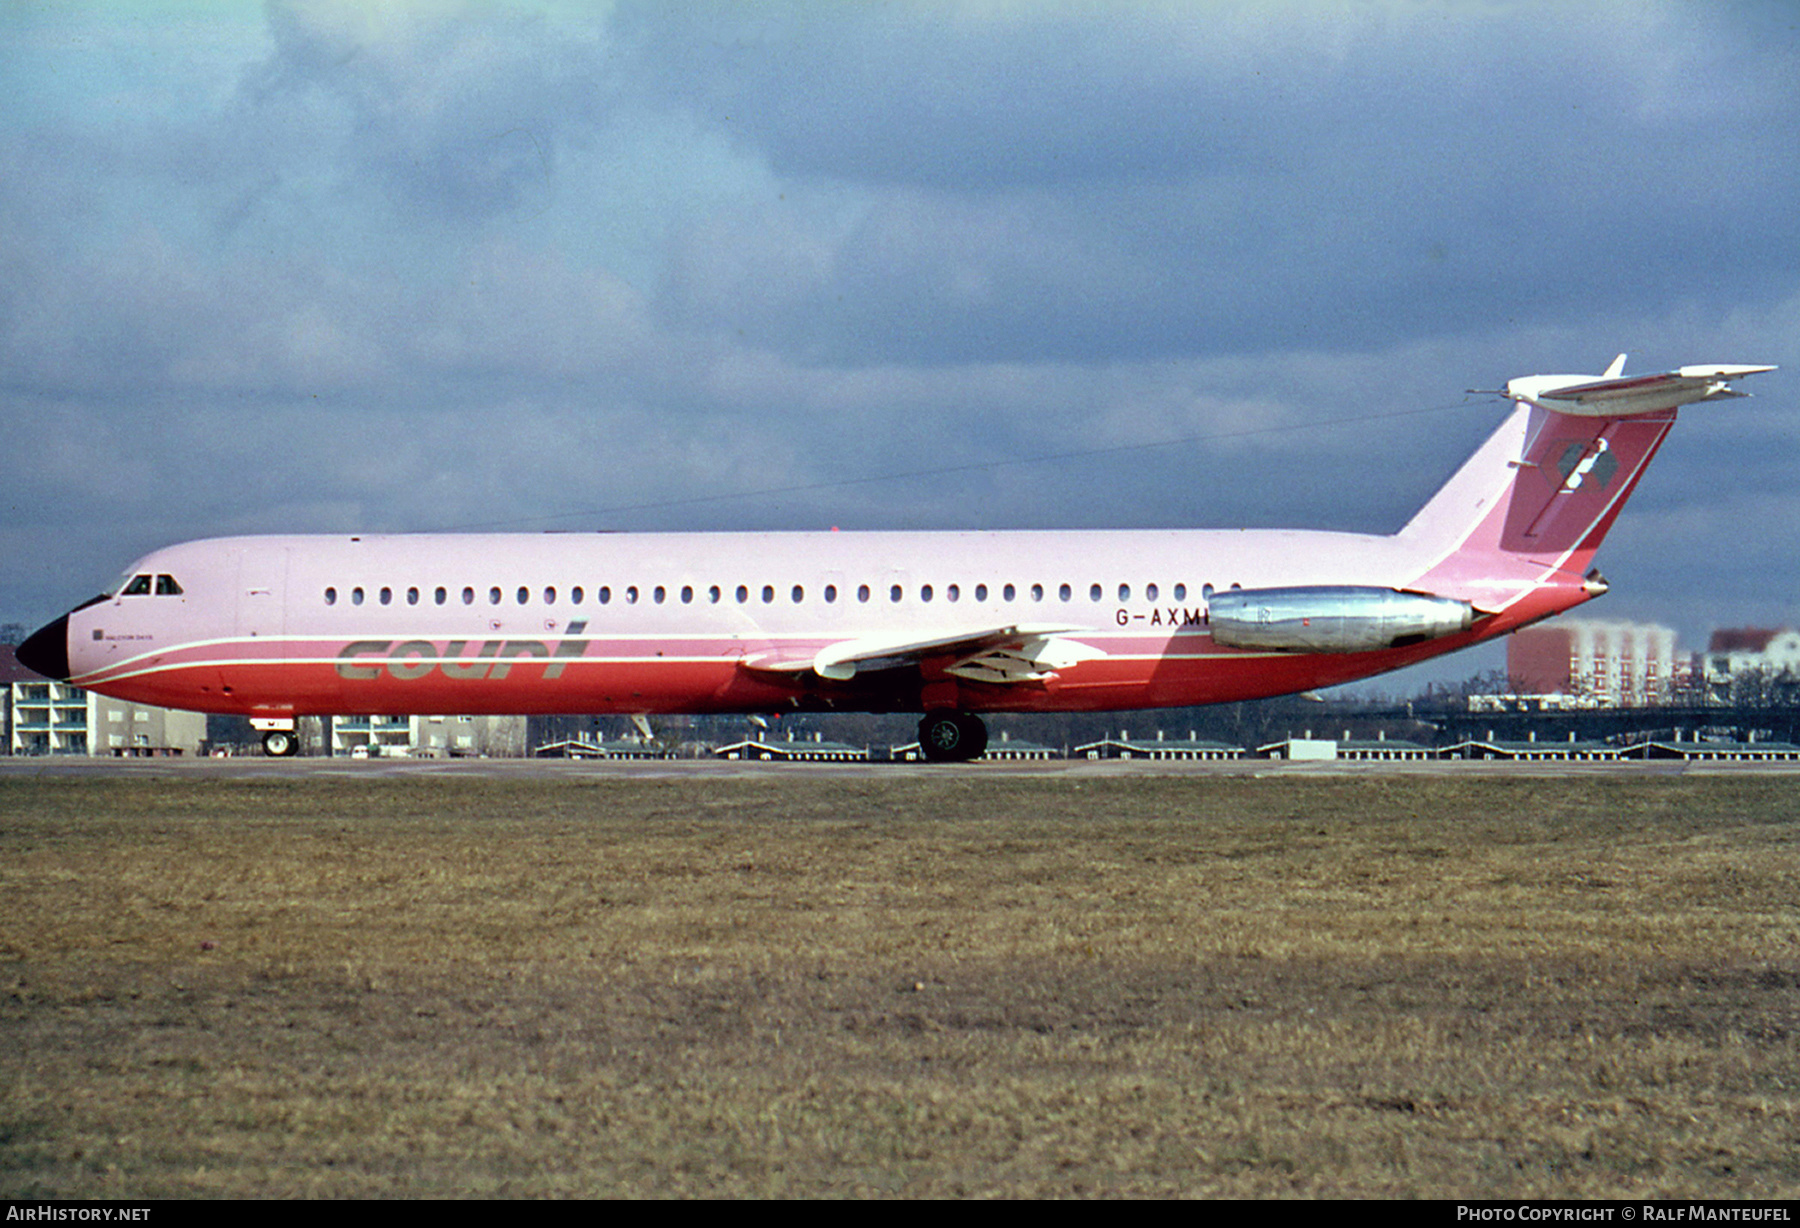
x=1576, y=465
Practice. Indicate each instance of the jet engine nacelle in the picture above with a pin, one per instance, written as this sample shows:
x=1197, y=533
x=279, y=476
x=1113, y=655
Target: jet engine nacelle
x=1333, y=619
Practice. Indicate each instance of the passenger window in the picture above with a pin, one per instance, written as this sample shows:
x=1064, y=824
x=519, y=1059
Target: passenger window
x=631, y=594
x=412, y=596
x=1009, y=592
x=387, y=595
x=524, y=594
x=894, y=593
x=925, y=592
x=439, y=595
x=604, y=595
x=659, y=595
x=862, y=592
x=575, y=595
x=494, y=595
x=1124, y=592
x=1181, y=592
x=1094, y=592
x=1037, y=592
x=952, y=593
x=1065, y=592
x=468, y=596
x=331, y=596
x=550, y=596
x=713, y=594
x=799, y=594
x=830, y=593
x=743, y=594
x=166, y=587
x=356, y=595
x=687, y=594
x=1150, y=592
x=139, y=587
x=981, y=592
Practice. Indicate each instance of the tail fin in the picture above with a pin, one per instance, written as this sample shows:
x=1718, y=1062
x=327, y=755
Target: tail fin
x=1541, y=493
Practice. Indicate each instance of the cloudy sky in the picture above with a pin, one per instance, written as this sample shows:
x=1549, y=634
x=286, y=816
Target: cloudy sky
x=334, y=265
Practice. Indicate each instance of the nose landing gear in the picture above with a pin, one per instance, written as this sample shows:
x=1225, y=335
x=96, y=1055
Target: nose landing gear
x=952, y=737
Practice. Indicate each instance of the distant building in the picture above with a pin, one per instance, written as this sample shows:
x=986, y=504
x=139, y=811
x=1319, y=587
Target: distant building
x=1712, y=750
x=1626, y=665
x=118, y=727
x=1383, y=748
x=1308, y=747
x=1735, y=654
x=439, y=737
x=1011, y=748
x=1530, y=750
x=47, y=718
x=1380, y=747
x=1003, y=747
x=817, y=750
x=1160, y=747
x=582, y=748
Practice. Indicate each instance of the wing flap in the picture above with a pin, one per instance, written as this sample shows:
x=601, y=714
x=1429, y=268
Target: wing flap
x=1033, y=661
x=1018, y=652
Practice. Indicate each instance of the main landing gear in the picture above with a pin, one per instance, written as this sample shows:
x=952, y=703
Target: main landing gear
x=279, y=735
x=952, y=737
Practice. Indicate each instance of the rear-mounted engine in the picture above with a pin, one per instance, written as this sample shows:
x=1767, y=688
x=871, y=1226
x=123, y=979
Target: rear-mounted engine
x=1333, y=619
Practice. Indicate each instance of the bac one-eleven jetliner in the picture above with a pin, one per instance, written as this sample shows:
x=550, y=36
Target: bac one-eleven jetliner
x=948, y=624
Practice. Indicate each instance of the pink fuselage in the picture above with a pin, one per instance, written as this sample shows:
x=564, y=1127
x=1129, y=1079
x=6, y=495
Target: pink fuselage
x=282, y=626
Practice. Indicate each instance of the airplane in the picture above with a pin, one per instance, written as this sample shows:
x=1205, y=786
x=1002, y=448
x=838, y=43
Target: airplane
x=947, y=624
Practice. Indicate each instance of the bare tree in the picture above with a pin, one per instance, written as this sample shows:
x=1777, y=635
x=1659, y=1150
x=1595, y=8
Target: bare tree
x=1762, y=687
x=498, y=737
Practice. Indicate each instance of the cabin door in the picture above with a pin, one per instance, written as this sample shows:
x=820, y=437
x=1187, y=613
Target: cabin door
x=261, y=591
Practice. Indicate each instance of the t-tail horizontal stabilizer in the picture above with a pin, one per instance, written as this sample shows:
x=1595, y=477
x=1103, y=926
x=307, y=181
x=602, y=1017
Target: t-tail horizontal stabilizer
x=1615, y=395
x=1529, y=509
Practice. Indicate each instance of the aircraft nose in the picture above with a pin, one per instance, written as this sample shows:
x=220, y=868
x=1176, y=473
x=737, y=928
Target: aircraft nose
x=46, y=651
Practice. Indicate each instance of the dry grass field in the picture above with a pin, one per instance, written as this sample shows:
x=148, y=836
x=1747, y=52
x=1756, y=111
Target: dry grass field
x=916, y=984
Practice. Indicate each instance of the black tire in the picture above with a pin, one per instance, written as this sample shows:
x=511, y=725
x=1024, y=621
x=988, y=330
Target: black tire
x=952, y=737
x=280, y=743
x=975, y=737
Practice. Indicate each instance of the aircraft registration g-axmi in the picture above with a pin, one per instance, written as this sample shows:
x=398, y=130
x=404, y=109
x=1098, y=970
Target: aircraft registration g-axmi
x=948, y=624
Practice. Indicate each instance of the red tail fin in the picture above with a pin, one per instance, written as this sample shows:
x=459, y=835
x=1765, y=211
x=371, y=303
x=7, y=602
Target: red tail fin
x=1574, y=477
x=1530, y=508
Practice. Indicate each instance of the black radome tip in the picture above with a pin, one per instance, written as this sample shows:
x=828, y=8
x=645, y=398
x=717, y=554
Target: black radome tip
x=46, y=651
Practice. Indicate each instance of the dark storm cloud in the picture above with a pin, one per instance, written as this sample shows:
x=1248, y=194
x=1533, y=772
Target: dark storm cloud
x=459, y=116
x=1199, y=180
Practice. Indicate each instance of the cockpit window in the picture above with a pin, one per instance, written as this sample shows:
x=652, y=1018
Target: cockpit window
x=166, y=587
x=139, y=587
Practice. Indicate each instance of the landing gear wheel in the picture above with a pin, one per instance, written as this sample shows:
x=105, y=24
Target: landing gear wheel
x=952, y=737
x=280, y=743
